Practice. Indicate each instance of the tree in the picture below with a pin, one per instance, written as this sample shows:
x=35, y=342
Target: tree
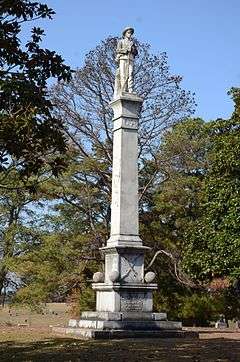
x=56, y=269
x=19, y=232
x=168, y=206
x=31, y=138
x=29, y=132
x=212, y=241
x=191, y=218
x=173, y=201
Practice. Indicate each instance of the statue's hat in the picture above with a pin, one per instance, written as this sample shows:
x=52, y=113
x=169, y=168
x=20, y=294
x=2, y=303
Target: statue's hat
x=126, y=29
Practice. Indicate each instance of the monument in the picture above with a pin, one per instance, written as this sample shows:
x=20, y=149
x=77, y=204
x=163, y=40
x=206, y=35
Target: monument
x=124, y=300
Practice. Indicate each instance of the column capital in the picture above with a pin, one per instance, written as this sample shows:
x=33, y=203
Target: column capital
x=127, y=105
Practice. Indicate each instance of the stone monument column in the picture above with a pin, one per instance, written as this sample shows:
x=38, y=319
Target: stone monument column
x=124, y=207
x=124, y=288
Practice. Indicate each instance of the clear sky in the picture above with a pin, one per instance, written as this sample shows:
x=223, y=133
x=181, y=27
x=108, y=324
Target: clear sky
x=201, y=38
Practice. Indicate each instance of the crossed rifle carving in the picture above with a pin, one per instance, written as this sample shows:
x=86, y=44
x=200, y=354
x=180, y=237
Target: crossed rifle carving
x=131, y=267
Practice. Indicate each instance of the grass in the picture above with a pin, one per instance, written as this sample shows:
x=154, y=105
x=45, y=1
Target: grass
x=37, y=343
x=51, y=314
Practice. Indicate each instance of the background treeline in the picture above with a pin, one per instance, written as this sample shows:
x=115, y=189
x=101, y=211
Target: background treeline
x=55, y=178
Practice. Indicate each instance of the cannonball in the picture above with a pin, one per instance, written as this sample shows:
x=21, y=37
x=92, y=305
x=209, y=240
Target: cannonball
x=114, y=275
x=149, y=277
x=98, y=277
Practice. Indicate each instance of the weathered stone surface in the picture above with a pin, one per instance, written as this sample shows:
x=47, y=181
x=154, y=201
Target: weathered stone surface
x=160, y=316
x=124, y=208
x=114, y=276
x=119, y=297
x=129, y=324
x=149, y=277
x=119, y=334
x=132, y=267
x=72, y=323
x=115, y=316
x=118, y=316
x=98, y=277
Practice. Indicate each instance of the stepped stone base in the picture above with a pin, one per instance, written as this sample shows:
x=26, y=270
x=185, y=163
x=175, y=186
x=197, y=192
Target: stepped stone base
x=118, y=316
x=111, y=325
x=122, y=334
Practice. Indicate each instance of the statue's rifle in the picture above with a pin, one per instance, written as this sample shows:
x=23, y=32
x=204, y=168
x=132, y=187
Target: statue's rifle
x=126, y=81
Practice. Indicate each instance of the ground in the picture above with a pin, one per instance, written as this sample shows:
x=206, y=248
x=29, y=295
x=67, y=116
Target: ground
x=31, y=342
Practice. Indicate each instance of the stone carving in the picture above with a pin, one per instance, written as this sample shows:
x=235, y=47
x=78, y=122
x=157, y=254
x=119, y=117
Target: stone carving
x=126, y=52
x=98, y=277
x=149, y=277
x=130, y=266
x=131, y=123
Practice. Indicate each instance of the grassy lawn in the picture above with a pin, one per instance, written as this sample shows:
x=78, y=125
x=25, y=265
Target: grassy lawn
x=34, y=341
x=39, y=344
x=51, y=314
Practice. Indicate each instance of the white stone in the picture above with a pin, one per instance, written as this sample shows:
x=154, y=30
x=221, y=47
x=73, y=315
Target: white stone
x=72, y=323
x=114, y=276
x=124, y=207
x=124, y=289
x=125, y=54
x=159, y=316
x=149, y=277
x=98, y=277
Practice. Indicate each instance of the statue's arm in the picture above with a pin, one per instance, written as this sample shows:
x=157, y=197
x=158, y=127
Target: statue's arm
x=121, y=49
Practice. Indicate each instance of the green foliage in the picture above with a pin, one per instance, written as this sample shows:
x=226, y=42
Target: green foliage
x=213, y=243
x=18, y=236
x=28, y=130
x=192, y=213
x=83, y=300
x=199, y=309
x=55, y=269
x=173, y=201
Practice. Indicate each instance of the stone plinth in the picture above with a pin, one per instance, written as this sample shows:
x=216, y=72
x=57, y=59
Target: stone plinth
x=124, y=297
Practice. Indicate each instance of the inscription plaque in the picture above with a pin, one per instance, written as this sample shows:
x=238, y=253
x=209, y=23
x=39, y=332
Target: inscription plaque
x=132, y=302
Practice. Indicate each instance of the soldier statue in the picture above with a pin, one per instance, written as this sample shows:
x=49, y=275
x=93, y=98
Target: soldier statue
x=126, y=52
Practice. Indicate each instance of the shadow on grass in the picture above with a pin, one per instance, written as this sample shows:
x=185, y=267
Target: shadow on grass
x=131, y=350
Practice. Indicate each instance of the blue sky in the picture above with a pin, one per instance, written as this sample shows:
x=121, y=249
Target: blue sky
x=201, y=38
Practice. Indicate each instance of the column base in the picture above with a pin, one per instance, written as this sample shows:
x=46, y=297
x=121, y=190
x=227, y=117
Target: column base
x=106, y=325
x=124, y=334
x=121, y=323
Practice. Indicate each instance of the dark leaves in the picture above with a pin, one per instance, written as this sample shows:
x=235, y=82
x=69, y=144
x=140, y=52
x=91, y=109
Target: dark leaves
x=28, y=130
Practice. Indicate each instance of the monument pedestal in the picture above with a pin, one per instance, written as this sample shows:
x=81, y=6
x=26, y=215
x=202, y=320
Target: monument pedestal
x=118, y=325
x=124, y=301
